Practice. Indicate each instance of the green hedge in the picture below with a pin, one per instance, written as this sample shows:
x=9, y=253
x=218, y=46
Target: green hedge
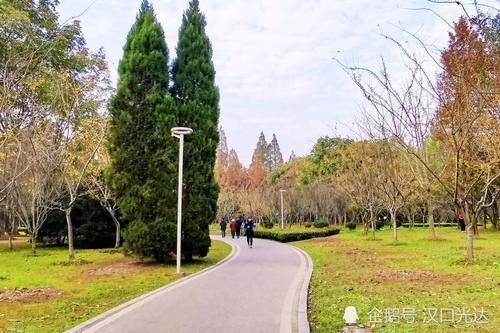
x=294, y=236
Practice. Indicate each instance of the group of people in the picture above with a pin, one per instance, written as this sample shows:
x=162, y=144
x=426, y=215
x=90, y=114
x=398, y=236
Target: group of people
x=236, y=226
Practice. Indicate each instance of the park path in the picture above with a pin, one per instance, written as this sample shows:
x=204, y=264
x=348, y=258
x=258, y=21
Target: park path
x=260, y=289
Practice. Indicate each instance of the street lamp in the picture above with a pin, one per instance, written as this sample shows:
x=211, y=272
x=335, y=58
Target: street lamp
x=179, y=133
x=282, y=216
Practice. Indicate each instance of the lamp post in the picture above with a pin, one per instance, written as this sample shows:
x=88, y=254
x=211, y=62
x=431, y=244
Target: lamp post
x=179, y=133
x=282, y=216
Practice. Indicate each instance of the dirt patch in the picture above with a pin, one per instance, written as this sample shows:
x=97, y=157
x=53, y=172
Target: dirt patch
x=29, y=295
x=329, y=240
x=368, y=261
x=356, y=251
x=410, y=276
x=121, y=268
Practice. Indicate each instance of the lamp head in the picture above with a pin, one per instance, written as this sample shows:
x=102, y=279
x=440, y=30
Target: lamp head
x=177, y=131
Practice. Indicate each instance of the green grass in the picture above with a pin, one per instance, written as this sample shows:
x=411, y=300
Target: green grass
x=85, y=294
x=416, y=273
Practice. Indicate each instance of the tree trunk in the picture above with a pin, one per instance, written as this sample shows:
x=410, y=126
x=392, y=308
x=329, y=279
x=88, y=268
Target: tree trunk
x=494, y=216
x=117, y=226
x=470, y=233
x=117, y=236
x=394, y=225
x=470, y=242
x=430, y=217
x=372, y=221
x=71, y=249
x=9, y=234
x=33, y=242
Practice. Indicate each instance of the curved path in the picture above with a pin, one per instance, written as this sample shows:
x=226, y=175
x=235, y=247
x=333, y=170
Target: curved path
x=259, y=289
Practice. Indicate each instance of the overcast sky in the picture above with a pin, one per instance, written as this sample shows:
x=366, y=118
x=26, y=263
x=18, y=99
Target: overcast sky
x=273, y=58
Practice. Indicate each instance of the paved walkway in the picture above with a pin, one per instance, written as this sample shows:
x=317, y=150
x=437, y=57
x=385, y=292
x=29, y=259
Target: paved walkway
x=260, y=289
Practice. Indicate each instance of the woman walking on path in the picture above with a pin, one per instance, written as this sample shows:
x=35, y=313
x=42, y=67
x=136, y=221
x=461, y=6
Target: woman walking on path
x=232, y=226
x=249, y=231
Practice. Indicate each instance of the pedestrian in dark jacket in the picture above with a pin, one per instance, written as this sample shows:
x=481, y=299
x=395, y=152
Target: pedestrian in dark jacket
x=249, y=226
x=461, y=221
x=223, y=225
x=239, y=222
x=232, y=226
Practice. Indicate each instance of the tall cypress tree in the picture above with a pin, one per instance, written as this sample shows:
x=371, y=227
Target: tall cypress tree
x=261, y=152
x=274, y=158
x=197, y=100
x=143, y=154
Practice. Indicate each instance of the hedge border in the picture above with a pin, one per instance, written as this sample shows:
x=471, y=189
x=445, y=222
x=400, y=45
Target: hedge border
x=294, y=236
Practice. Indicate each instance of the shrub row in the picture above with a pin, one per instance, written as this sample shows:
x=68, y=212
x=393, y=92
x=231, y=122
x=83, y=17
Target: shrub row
x=294, y=236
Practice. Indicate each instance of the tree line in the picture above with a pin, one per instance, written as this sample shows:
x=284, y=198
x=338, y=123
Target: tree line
x=430, y=147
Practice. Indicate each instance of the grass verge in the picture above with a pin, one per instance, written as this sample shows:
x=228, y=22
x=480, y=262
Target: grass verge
x=410, y=280
x=60, y=296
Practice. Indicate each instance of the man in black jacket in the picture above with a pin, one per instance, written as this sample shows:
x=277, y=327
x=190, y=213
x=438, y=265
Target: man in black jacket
x=249, y=225
x=239, y=222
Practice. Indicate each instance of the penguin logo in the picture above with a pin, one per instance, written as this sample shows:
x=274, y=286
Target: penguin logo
x=350, y=315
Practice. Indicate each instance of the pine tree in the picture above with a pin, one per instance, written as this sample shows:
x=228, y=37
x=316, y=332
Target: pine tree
x=143, y=154
x=197, y=100
x=222, y=156
x=274, y=156
x=261, y=151
x=292, y=157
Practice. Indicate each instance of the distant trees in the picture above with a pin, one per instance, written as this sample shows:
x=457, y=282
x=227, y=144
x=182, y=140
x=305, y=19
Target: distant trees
x=274, y=156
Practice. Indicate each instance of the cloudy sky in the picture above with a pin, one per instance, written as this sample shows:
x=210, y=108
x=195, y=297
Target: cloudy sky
x=274, y=58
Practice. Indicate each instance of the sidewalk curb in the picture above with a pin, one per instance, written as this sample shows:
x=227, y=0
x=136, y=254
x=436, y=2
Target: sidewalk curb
x=303, y=321
x=113, y=311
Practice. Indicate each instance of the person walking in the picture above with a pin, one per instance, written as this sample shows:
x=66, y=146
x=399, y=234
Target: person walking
x=249, y=226
x=223, y=225
x=232, y=227
x=461, y=221
x=239, y=222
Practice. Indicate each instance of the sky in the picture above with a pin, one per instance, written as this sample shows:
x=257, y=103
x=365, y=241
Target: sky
x=274, y=59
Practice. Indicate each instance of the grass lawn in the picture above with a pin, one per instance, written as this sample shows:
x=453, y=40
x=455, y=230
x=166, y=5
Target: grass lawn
x=425, y=279
x=71, y=294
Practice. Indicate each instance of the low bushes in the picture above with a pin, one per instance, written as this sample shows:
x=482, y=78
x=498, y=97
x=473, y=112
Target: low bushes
x=286, y=237
x=320, y=224
x=351, y=225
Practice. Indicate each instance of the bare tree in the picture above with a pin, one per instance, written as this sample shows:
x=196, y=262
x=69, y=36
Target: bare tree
x=458, y=109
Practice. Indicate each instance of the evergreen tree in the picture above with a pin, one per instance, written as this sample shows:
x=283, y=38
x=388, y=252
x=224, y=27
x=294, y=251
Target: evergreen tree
x=274, y=156
x=292, y=157
x=222, y=157
x=260, y=153
x=197, y=100
x=222, y=149
x=143, y=154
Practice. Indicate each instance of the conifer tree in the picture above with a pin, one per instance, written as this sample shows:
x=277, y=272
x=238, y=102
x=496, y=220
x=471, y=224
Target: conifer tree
x=261, y=151
x=197, y=100
x=274, y=156
x=143, y=154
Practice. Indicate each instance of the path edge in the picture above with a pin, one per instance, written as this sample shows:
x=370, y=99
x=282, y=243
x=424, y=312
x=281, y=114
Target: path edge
x=303, y=320
x=105, y=315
